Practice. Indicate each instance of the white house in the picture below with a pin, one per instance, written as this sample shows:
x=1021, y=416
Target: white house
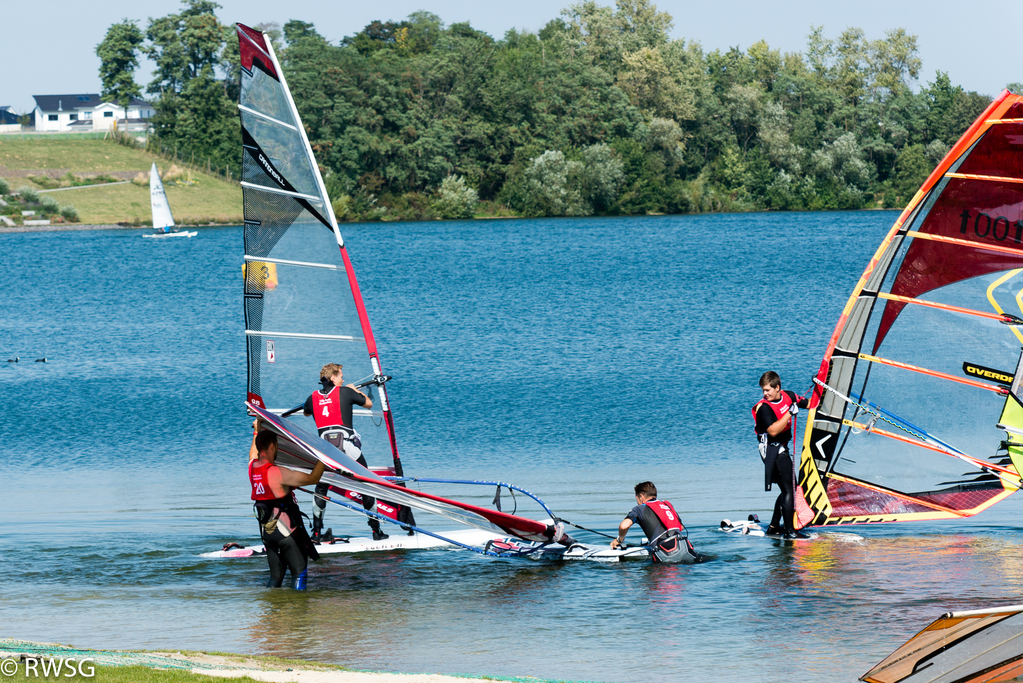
x=68, y=113
x=9, y=120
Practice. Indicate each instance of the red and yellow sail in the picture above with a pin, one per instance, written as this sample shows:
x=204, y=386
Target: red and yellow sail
x=914, y=414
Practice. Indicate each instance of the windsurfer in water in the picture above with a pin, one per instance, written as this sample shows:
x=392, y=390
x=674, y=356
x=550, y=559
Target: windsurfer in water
x=331, y=407
x=662, y=526
x=280, y=521
x=773, y=415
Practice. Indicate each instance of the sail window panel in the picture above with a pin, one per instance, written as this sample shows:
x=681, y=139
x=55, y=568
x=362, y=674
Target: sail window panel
x=981, y=212
x=914, y=405
x=264, y=94
x=270, y=216
x=285, y=149
x=998, y=153
x=295, y=373
x=852, y=333
x=963, y=416
x=939, y=338
x=309, y=301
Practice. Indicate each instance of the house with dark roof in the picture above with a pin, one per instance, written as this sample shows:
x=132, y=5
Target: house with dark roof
x=68, y=113
x=8, y=120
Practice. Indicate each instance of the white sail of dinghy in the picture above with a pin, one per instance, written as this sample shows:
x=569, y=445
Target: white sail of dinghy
x=163, y=220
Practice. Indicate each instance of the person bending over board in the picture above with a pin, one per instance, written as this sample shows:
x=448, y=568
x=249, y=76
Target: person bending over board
x=662, y=526
x=331, y=407
x=287, y=544
x=773, y=415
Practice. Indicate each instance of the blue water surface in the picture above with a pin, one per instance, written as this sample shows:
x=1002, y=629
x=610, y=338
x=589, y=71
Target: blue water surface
x=574, y=357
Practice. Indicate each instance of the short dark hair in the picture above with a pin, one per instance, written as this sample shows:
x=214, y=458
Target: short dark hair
x=264, y=439
x=646, y=488
x=770, y=378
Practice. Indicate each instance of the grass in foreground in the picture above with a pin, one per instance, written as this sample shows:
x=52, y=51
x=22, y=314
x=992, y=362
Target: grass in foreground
x=124, y=674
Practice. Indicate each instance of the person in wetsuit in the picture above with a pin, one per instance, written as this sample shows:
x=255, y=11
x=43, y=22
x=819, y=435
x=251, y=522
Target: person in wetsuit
x=280, y=521
x=773, y=415
x=661, y=525
x=331, y=407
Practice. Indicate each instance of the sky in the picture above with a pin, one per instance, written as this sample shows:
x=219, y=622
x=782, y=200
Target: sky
x=52, y=50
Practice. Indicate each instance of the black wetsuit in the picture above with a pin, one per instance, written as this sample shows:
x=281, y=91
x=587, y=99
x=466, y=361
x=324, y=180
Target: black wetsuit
x=287, y=548
x=778, y=463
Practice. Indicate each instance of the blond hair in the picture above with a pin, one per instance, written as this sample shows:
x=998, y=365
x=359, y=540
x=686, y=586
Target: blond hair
x=329, y=370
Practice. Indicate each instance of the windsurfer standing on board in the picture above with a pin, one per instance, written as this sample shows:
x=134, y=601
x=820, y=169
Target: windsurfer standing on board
x=331, y=407
x=662, y=527
x=280, y=521
x=773, y=414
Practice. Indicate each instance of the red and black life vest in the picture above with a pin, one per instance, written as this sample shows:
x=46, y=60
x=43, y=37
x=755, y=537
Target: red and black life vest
x=779, y=409
x=327, y=409
x=260, y=480
x=665, y=513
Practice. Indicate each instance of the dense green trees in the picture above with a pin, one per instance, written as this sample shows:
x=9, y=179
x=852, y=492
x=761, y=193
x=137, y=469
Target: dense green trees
x=599, y=112
x=119, y=57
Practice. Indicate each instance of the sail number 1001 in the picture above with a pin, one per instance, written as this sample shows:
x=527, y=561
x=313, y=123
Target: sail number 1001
x=998, y=227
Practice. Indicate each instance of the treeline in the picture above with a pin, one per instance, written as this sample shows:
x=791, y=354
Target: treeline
x=600, y=112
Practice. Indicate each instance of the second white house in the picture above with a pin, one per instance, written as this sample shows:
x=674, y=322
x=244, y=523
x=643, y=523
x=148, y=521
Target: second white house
x=68, y=113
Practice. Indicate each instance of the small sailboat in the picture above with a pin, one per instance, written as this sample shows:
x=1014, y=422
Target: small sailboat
x=163, y=221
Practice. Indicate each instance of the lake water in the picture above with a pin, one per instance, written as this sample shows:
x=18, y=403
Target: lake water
x=573, y=357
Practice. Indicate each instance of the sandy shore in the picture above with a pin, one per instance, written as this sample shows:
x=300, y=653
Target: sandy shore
x=267, y=669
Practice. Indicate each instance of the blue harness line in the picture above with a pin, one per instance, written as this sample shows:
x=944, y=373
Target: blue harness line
x=476, y=482
x=415, y=528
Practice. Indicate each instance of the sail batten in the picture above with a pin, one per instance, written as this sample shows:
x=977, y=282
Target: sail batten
x=932, y=373
x=276, y=190
x=265, y=117
x=1001, y=317
x=302, y=335
x=264, y=259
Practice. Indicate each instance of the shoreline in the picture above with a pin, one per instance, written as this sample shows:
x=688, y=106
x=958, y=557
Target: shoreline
x=70, y=227
x=66, y=227
x=230, y=666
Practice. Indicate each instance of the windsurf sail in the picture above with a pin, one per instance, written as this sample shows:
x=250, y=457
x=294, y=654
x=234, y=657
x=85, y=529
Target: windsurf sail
x=959, y=647
x=916, y=412
x=315, y=314
x=299, y=449
x=162, y=218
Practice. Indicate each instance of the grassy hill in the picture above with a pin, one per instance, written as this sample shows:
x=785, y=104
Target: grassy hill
x=194, y=197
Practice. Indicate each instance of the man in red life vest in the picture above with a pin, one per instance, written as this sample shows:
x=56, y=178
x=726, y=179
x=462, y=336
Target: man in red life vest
x=280, y=521
x=661, y=525
x=331, y=407
x=773, y=415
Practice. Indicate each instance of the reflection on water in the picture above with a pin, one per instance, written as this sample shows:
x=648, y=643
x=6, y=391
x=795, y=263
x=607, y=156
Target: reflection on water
x=574, y=358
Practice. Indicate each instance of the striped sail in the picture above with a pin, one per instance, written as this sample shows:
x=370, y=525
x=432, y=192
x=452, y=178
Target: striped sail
x=303, y=308
x=914, y=415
